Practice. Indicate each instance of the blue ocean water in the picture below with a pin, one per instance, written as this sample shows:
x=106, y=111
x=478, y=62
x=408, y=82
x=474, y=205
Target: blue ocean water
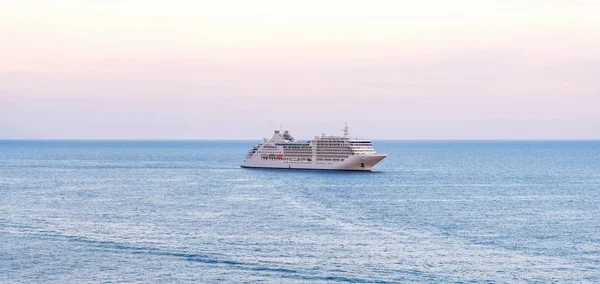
x=184, y=211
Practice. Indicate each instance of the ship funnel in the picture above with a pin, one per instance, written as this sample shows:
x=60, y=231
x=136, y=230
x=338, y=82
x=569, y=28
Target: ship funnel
x=287, y=136
x=277, y=137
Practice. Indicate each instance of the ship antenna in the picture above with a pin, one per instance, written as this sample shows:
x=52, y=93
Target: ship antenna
x=346, y=130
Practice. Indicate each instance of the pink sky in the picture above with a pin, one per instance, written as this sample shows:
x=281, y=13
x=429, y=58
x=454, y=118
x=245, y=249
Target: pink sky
x=238, y=69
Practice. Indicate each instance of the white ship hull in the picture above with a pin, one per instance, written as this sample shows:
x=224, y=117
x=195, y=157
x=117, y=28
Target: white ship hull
x=353, y=163
x=282, y=151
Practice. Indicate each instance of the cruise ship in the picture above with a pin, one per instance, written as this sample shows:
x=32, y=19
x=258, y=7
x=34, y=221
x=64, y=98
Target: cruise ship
x=322, y=153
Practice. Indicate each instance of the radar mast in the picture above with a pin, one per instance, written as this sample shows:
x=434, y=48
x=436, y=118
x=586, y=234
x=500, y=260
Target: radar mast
x=346, y=130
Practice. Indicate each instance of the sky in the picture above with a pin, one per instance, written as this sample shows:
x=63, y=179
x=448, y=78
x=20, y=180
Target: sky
x=397, y=69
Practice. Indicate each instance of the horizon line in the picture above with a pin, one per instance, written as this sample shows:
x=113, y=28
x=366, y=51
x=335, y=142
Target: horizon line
x=248, y=139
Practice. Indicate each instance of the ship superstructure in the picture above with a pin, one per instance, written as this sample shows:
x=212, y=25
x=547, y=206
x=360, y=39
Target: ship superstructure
x=323, y=152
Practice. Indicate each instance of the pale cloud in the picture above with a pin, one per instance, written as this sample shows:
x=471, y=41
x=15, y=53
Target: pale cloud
x=236, y=69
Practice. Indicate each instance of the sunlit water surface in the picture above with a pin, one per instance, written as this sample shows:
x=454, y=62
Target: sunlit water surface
x=152, y=211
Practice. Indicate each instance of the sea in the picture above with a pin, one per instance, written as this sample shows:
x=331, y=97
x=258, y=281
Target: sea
x=185, y=212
